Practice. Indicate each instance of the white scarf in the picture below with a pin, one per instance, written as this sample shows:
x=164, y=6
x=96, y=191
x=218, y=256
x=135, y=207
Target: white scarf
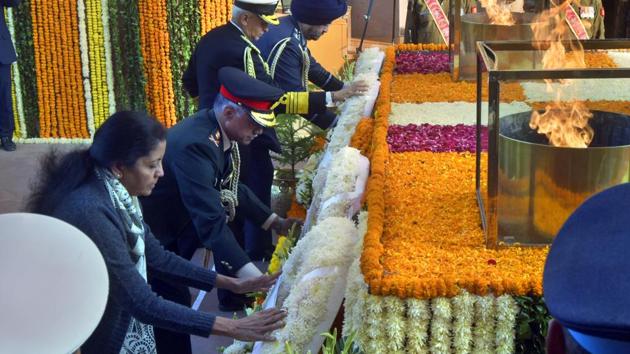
x=139, y=338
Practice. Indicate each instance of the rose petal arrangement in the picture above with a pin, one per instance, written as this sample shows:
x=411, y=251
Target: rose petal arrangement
x=435, y=138
x=424, y=62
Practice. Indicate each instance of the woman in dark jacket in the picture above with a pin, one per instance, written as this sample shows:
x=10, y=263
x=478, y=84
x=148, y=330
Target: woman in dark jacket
x=96, y=190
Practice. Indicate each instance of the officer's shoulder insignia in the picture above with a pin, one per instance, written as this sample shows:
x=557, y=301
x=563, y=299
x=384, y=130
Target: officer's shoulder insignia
x=215, y=137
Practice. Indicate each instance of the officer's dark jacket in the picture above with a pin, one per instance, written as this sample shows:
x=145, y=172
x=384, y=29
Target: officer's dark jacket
x=227, y=46
x=7, y=51
x=195, y=166
x=284, y=48
x=222, y=46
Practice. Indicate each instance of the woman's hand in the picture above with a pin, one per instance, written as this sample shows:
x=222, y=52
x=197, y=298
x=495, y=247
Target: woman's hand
x=256, y=327
x=282, y=225
x=250, y=285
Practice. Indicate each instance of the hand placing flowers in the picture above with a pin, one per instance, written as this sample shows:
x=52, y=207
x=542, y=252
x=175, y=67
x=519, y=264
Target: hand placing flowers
x=247, y=285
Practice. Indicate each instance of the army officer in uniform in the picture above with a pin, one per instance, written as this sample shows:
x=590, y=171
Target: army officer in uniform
x=200, y=190
x=232, y=45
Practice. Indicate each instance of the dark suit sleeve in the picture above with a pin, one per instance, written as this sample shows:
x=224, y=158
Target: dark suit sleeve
x=9, y=3
x=168, y=265
x=189, y=78
x=194, y=172
x=250, y=206
x=127, y=287
x=288, y=75
x=322, y=78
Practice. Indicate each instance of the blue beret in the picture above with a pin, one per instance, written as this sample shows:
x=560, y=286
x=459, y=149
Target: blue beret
x=585, y=283
x=318, y=12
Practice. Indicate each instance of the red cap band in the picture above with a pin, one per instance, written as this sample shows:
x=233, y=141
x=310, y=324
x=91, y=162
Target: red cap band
x=252, y=104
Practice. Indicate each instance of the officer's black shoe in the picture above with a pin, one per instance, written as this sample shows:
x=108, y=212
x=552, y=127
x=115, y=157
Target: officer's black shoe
x=7, y=143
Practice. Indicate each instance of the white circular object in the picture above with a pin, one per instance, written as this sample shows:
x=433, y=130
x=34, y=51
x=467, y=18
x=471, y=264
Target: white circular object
x=53, y=285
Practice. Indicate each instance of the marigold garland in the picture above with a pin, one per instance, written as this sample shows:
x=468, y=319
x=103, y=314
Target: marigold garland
x=97, y=62
x=408, y=47
x=214, y=13
x=296, y=210
x=371, y=266
x=419, y=88
x=598, y=60
x=56, y=37
x=319, y=144
x=362, y=138
x=85, y=66
x=155, y=44
x=433, y=245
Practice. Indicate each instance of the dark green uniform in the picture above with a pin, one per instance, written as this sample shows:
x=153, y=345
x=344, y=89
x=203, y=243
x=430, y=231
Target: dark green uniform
x=591, y=13
x=420, y=26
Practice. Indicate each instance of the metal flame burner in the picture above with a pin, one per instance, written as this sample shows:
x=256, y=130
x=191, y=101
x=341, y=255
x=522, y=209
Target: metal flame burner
x=547, y=181
x=541, y=185
x=477, y=27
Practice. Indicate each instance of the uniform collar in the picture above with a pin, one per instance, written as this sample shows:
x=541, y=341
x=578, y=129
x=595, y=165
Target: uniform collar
x=297, y=32
x=237, y=27
x=227, y=144
x=244, y=37
x=218, y=132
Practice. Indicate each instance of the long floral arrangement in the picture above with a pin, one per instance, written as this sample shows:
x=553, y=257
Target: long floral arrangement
x=420, y=279
x=425, y=282
x=81, y=60
x=314, y=274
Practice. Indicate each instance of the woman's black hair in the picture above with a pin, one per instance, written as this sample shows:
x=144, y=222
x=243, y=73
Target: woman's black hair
x=123, y=138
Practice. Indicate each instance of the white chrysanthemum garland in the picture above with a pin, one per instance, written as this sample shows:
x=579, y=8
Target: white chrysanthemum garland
x=463, y=324
x=85, y=67
x=345, y=182
x=322, y=268
x=312, y=179
x=370, y=61
x=352, y=110
x=304, y=187
x=448, y=113
x=351, y=114
x=54, y=140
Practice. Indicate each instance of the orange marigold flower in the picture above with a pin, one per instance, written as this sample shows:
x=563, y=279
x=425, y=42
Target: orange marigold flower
x=296, y=211
x=362, y=138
